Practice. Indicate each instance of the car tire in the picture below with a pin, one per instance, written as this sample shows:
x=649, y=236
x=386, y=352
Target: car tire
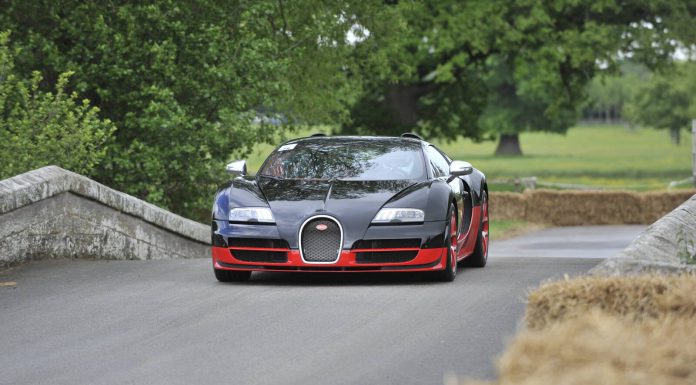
x=480, y=255
x=449, y=273
x=232, y=275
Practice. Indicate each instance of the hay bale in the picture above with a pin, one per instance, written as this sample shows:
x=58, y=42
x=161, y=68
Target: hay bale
x=586, y=331
x=603, y=349
x=657, y=204
x=567, y=208
x=573, y=208
x=635, y=298
x=508, y=206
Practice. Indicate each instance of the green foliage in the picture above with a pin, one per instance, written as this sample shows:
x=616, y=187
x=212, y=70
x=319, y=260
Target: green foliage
x=185, y=81
x=42, y=128
x=667, y=101
x=610, y=94
x=476, y=68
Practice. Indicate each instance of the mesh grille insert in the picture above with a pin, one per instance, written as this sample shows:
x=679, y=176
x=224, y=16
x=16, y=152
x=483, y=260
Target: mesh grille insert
x=258, y=242
x=320, y=240
x=385, y=256
x=387, y=243
x=260, y=256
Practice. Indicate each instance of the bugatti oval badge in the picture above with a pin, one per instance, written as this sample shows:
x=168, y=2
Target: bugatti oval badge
x=321, y=227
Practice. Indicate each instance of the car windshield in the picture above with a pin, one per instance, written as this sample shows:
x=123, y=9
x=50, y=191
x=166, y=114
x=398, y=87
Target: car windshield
x=348, y=159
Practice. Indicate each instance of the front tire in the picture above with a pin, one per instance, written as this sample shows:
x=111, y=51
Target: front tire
x=450, y=271
x=232, y=275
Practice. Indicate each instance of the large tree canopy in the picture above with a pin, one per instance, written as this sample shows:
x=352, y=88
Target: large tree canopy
x=477, y=68
x=184, y=80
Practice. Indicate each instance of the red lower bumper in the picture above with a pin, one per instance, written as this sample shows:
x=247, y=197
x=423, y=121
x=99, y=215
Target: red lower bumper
x=425, y=260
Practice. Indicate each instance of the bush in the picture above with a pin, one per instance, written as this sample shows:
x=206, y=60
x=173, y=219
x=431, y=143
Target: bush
x=41, y=128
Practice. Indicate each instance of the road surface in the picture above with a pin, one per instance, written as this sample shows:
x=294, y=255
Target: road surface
x=170, y=322
x=569, y=242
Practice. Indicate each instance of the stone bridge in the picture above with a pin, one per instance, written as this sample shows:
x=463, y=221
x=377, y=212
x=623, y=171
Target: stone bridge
x=55, y=213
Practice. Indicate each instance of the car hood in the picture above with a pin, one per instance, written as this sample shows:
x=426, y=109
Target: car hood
x=353, y=203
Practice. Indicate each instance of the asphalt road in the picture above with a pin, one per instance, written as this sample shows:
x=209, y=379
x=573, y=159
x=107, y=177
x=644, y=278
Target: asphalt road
x=170, y=322
x=569, y=242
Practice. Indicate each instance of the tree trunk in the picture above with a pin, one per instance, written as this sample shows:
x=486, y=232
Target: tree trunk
x=676, y=136
x=509, y=144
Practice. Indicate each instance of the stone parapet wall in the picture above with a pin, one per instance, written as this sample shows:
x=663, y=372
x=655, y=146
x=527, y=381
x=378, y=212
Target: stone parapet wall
x=55, y=213
x=661, y=248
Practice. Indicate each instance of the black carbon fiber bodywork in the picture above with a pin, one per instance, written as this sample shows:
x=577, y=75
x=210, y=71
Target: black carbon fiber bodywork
x=352, y=203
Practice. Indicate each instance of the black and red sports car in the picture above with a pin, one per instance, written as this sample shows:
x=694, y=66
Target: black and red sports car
x=348, y=204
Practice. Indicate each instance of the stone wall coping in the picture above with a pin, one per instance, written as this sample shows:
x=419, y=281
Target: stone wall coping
x=45, y=182
x=657, y=249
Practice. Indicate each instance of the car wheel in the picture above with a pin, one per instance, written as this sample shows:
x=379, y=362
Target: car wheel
x=450, y=271
x=232, y=275
x=480, y=255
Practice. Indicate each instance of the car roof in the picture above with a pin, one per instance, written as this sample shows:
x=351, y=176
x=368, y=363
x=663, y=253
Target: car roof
x=339, y=138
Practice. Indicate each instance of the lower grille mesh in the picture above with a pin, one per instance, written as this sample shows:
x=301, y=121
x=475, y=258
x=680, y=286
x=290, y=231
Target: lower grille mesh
x=260, y=256
x=385, y=256
x=320, y=240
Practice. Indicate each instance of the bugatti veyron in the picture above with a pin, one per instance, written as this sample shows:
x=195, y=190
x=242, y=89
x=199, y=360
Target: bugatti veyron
x=351, y=204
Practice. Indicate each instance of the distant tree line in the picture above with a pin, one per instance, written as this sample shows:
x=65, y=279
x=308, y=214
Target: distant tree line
x=663, y=100
x=157, y=96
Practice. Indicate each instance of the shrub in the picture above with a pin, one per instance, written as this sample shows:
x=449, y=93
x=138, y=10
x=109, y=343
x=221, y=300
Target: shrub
x=41, y=128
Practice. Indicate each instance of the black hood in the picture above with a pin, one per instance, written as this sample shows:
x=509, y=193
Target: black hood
x=353, y=203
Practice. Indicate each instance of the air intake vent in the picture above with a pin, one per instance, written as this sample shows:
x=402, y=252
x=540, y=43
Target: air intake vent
x=321, y=240
x=385, y=256
x=260, y=256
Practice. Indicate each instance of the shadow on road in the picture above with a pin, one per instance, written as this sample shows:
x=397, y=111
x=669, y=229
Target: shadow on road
x=342, y=279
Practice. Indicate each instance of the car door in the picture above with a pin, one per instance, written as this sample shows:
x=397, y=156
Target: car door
x=439, y=165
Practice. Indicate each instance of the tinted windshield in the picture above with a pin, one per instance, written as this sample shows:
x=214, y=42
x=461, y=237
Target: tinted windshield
x=351, y=159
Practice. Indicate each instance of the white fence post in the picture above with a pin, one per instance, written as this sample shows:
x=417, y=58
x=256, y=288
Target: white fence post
x=693, y=151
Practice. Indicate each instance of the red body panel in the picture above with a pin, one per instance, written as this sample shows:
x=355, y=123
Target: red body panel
x=426, y=260
x=467, y=241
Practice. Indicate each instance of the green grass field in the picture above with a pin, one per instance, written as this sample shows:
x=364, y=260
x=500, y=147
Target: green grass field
x=603, y=156
x=611, y=157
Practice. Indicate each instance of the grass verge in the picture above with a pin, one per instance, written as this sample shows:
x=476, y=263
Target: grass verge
x=506, y=229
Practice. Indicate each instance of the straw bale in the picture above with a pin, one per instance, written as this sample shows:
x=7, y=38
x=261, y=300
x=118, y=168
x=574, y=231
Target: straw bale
x=572, y=208
x=638, y=297
x=603, y=349
x=586, y=331
x=508, y=206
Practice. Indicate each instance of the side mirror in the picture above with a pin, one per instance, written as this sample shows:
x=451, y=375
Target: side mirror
x=460, y=168
x=238, y=167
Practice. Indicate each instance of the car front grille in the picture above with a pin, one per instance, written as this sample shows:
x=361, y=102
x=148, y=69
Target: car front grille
x=320, y=240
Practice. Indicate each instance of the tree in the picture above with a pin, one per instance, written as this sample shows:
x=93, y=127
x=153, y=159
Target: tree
x=185, y=81
x=609, y=94
x=42, y=128
x=667, y=101
x=498, y=68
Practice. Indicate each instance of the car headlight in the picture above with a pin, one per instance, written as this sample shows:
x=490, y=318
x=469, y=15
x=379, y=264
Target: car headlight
x=389, y=215
x=252, y=214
